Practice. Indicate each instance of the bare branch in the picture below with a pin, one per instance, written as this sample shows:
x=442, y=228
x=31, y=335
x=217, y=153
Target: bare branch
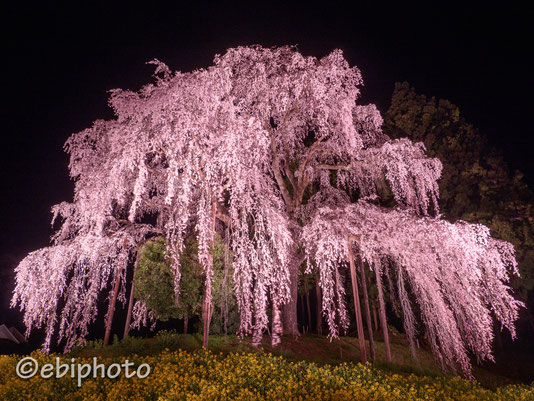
x=313, y=148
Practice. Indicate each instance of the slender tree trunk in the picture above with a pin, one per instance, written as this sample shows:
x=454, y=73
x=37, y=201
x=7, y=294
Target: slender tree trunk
x=289, y=310
x=383, y=320
x=131, y=300
x=367, y=311
x=309, y=310
x=359, y=323
x=113, y=301
x=186, y=324
x=318, y=306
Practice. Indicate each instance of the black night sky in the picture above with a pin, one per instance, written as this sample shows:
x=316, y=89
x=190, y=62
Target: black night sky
x=60, y=62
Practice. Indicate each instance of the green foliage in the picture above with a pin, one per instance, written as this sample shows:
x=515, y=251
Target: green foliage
x=154, y=284
x=154, y=280
x=476, y=185
x=168, y=339
x=192, y=281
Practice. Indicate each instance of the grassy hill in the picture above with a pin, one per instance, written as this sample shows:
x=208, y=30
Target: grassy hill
x=310, y=348
x=310, y=367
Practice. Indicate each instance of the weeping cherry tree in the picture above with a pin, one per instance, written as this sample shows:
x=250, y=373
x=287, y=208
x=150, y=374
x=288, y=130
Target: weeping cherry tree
x=273, y=148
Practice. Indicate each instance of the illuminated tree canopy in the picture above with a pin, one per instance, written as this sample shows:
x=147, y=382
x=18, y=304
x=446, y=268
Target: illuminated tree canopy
x=274, y=147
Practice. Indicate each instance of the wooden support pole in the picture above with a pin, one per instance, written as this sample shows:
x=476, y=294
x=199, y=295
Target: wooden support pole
x=383, y=320
x=357, y=308
x=114, y=299
x=131, y=300
x=367, y=310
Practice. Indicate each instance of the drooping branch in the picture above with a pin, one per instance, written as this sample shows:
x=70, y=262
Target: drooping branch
x=442, y=262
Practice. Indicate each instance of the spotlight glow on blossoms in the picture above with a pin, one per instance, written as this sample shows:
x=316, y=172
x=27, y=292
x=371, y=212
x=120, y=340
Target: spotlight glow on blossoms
x=274, y=147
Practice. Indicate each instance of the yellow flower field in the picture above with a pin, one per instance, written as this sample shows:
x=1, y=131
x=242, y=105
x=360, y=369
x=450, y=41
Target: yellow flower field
x=203, y=375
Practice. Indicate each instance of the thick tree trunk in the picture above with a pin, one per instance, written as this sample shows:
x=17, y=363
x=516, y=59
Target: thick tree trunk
x=111, y=311
x=131, y=300
x=367, y=311
x=289, y=310
x=318, y=306
x=357, y=308
x=186, y=324
x=383, y=320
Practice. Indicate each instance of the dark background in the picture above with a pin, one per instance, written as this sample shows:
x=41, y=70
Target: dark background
x=59, y=64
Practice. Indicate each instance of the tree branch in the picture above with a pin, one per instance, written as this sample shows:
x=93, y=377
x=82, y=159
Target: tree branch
x=355, y=238
x=222, y=215
x=276, y=161
x=337, y=167
x=155, y=171
x=277, y=173
x=303, y=180
x=289, y=173
x=313, y=148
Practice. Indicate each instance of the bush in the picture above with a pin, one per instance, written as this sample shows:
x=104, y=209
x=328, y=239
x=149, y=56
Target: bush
x=154, y=284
